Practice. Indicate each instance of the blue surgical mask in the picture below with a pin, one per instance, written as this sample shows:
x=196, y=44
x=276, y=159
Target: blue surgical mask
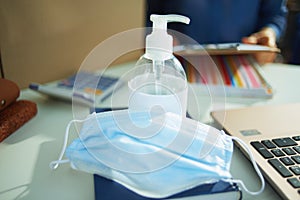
x=137, y=149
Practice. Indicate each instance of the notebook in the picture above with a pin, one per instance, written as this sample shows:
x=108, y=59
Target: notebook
x=91, y=88
x=106, y=189
x=273, y=134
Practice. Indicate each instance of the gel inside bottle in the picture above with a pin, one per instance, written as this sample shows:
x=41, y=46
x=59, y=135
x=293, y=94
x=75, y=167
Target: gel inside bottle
x=160, y=81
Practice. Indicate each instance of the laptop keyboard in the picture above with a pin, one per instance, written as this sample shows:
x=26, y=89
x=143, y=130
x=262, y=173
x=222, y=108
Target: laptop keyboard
x=283, y=154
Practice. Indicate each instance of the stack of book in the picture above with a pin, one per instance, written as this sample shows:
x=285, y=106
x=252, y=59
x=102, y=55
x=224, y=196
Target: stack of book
x=226, y=69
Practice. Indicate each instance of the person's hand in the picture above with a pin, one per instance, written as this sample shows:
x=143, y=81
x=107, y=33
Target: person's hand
x=265, y=37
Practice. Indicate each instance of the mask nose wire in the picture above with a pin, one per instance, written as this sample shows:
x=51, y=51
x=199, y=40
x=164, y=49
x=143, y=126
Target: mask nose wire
x=54, y=164
x=258, y=172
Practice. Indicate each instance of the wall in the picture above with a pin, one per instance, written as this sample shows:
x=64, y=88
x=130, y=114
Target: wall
x=45, y=40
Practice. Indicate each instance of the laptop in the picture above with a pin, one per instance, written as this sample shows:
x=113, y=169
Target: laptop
x=273, y=134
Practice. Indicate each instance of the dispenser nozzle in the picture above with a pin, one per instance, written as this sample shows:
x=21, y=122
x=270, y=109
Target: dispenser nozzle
x=160, y=21
x=159, y=44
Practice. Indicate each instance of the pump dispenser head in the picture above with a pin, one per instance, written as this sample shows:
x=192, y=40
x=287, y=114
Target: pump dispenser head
x=159, y=44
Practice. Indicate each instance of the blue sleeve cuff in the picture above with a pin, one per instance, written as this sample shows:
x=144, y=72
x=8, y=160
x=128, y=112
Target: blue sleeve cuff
x=276, y=30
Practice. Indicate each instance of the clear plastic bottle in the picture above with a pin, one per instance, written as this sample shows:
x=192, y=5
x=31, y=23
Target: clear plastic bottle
x=160, y=81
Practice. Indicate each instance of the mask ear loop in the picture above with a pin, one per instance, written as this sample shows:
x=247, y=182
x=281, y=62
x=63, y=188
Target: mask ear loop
x=54, y=164
x=262, y=180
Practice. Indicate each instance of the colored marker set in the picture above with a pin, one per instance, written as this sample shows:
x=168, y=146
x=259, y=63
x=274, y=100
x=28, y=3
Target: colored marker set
x=233, y=75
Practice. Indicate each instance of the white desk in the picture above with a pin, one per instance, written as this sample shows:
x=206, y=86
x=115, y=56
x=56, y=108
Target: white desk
x=25, y=155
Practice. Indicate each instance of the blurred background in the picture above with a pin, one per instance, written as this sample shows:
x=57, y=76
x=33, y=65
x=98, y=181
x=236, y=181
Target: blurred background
x=46, y=40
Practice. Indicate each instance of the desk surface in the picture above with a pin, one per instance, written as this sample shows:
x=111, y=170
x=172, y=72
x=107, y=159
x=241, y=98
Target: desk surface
x=26, y=154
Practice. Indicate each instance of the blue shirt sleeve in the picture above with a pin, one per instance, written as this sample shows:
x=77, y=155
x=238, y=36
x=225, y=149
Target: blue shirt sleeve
x=218, y=21
x=273, y=14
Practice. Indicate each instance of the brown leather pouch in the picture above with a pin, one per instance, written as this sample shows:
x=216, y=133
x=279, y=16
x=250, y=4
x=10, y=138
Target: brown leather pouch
x=14, y=113
x=9, y=92
x=15, y=116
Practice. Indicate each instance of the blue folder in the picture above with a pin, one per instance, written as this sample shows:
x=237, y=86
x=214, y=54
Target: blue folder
x=106, y=189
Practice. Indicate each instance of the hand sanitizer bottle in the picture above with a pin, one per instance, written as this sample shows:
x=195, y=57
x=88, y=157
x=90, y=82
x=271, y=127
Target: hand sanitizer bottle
x=160, y=81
